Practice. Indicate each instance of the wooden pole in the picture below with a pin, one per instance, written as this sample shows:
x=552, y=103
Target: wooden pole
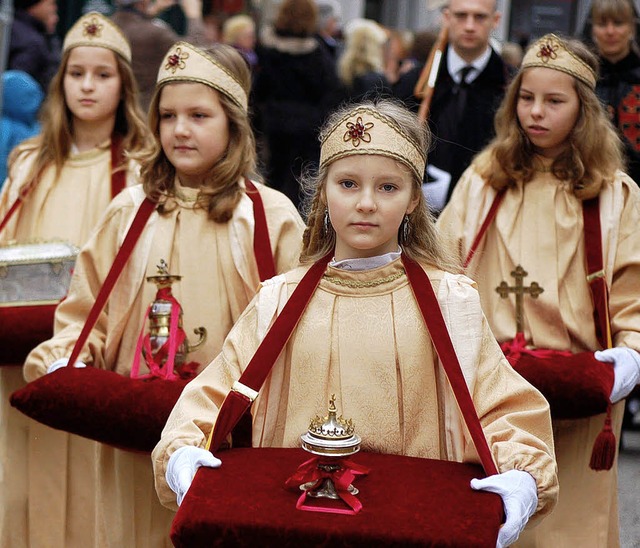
x=426, y=83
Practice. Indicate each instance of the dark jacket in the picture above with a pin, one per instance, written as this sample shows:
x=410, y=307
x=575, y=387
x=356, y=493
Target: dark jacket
x=295, y=87
x=619, y=89
x=369, y=85
x=32, y=50
x=455, y=145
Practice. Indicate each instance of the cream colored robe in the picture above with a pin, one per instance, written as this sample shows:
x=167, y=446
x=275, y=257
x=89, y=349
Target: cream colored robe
x=369, y=346
x=539, y=226
x=35, y=461
x=219, y=278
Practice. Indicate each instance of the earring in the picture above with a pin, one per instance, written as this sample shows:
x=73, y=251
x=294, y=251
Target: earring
x=405, y=230
x=326, y=222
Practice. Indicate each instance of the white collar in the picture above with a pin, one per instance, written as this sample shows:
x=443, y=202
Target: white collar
x=455, y=63
x=366, y=263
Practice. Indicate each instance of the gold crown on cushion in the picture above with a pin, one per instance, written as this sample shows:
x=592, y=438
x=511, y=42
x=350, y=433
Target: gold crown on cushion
x=551, y=52
x=366, y=131
x=94, y=29
x=186, y=63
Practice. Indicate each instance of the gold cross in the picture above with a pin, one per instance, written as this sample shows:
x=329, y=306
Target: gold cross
x=519, y=289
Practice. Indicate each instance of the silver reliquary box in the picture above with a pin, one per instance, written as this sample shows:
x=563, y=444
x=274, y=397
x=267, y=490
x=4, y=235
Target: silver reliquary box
x=35, y=273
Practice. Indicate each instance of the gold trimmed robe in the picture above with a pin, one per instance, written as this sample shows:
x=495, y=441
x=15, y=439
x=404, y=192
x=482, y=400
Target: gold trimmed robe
x=368, y=344
x=66, y=208
x=219, y=278
x=539, y=226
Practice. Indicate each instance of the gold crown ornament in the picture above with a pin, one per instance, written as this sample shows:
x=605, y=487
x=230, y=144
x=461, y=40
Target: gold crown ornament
x=551, y=52
x=366, y=131
x=186, y=63
x=331, y=436
x=94, y=29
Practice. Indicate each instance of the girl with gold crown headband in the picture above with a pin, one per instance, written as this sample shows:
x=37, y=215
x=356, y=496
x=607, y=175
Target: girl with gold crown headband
x=613, y=25
x=204, y=226
x=362, y=336
x=547, y=203
x=61, y=181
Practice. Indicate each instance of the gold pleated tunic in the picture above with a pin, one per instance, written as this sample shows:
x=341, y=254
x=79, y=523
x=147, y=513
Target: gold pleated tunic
x=219, y=278
x=539, y=226
x=362, y=337
x=38, y=464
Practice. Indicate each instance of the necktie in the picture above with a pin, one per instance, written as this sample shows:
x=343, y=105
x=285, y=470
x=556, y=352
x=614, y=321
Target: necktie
x=462, y=91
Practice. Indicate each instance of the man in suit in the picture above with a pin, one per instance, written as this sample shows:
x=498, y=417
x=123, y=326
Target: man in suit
x=470, y=85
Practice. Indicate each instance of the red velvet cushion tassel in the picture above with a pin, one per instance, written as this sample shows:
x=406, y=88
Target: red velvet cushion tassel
x=604, y=448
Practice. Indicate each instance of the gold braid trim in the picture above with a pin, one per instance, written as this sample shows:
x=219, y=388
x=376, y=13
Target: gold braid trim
x=187, y=63
x=369, y=283
x=551, y=52
x=365, y=131
x=94, y=29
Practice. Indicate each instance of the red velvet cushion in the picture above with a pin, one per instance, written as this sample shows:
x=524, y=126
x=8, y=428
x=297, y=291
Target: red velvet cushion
x=23, y=328
x=575, y=386
x=101, y=405
x=406, y=502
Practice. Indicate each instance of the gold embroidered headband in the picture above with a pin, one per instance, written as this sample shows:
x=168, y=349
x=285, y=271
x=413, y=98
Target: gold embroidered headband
x=186, y=63
x=94, y=29
x=551, y=52
x=366, y=131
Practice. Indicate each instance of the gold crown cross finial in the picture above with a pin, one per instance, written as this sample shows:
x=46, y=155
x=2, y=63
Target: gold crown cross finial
x=163, y=268
x=332, y=403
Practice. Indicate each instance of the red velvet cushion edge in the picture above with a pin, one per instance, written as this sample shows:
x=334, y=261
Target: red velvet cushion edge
x=406, y=502
x=101, y=405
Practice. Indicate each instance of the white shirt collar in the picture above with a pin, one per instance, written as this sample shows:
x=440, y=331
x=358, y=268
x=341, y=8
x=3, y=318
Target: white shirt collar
x=366, y=263
x=455, y=63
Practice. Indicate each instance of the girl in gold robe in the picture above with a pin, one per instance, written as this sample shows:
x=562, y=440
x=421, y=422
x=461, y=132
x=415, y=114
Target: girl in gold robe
x=92, y=104
x=555, y=148
x=203, y=227
x=362, y=337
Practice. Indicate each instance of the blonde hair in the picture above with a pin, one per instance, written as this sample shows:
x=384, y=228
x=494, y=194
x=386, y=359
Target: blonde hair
x=54, y=141
x=422, y=243
x=594, y=150
x=235, y=26
x=364, y=50
x=222, y=191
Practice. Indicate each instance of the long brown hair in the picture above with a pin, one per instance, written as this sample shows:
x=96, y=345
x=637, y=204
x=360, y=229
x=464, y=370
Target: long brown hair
x=594, y=150
x=422, y=243
x=222, y=191
x=54, y=142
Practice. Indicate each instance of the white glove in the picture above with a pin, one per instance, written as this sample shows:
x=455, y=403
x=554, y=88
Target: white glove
x=183, y=465
x=519, y=498
x=62, y=362
x=626, y=370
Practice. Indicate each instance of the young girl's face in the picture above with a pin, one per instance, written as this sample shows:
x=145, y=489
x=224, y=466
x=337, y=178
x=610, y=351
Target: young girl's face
x=367, y=197
x=92, y=84
x=194, y=129
x=613, y=38
x=548, y=109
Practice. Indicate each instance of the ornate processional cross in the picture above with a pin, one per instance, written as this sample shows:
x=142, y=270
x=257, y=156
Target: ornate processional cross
x=519, y=289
